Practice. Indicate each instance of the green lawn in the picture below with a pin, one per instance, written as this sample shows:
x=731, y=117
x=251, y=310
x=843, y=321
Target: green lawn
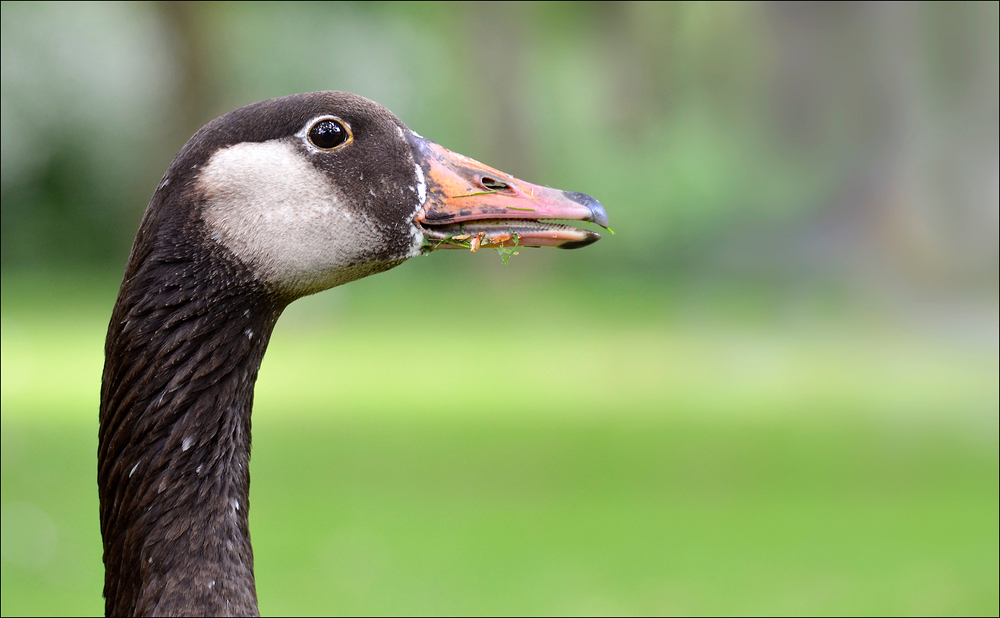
x=611, y=449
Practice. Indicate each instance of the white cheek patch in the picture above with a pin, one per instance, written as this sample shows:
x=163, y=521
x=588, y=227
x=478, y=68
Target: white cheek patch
x=421, y=187
x=418, y=237
x=268, y=205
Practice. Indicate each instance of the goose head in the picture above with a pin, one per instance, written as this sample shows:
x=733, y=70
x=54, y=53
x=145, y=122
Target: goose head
x=315, y=190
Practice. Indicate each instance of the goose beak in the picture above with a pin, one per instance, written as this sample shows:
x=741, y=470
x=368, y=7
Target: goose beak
x=468, y=204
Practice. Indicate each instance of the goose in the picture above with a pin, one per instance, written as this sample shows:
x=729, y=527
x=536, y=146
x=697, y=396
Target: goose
x=266, y=204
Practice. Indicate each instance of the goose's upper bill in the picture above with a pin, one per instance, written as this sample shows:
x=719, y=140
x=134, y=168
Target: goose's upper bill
x=466, y=197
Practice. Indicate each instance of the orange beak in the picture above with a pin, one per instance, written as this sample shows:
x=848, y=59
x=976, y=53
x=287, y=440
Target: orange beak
x=469, y=205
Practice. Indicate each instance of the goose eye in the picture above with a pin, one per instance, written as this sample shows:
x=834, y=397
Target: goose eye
x=328, y=134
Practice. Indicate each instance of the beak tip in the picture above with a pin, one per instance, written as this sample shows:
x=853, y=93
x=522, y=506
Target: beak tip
x=589, y=240
x=597, y=212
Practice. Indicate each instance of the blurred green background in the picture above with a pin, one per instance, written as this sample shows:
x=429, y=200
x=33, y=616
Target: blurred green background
x=773, y=390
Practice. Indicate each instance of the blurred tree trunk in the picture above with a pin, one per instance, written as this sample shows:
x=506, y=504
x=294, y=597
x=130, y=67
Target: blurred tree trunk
x=190, y=24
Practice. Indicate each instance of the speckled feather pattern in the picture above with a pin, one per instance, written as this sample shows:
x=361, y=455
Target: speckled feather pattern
x=185, y=342
x=182, y=357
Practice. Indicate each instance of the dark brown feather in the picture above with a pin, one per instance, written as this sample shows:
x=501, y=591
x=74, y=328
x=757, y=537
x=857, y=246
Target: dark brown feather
x=186, y=340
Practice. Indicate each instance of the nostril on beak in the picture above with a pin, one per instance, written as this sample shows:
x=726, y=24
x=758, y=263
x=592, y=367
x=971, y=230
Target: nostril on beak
x=492, y=184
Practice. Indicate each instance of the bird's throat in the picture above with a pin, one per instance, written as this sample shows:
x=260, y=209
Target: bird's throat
x=181, y=363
